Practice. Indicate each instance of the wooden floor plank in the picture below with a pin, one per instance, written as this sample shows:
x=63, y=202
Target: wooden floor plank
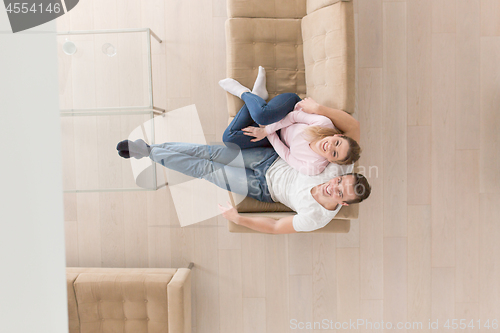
x=490, y=119
x=468, y=74
x=220, y=99
x=468, y=312
x=372, y=315
x=348, y=302
x=395, y=119
x=419, y=266
x=230, y=291
x=490, y=11
x=467, y=227
x=177, y=49
x=371, y=214
x=489, y=252
x=370, y=33
x=71, y=243
x=70, y=211
x=277, y=283
x=254, y=315
x=227, y=240
x=112, y=229
x=443, y=295
x=89, y=230
x=443, y=150
x=395, y=280
x=202, y=63
x=159, y=251
x=324, y=277
x=300, y=254
x=301, y=300
x=206, y=279
x=253, y=259
x=443, y=16
x=136, y=229
x=419, y=62
x=419, y=165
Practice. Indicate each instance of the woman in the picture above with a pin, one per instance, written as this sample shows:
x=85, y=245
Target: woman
x=311, y=135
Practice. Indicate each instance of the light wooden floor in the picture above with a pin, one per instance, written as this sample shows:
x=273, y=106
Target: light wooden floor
x=426, y=245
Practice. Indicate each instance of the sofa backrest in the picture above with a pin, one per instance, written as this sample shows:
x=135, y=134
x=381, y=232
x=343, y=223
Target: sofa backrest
x=275, y=44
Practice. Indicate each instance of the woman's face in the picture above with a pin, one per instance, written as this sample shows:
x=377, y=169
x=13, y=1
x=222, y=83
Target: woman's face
x=333, y=148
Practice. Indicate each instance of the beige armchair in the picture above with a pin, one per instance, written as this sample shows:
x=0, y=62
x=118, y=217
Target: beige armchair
x=306, y=47
x=135, y=300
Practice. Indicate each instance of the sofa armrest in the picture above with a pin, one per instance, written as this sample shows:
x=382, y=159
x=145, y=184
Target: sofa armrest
x=73, y=319
x=179, y=301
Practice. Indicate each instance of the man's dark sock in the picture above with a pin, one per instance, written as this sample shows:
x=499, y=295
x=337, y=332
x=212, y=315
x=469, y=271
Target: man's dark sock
x=136, y=149
x=124, y=153
x=122, y=145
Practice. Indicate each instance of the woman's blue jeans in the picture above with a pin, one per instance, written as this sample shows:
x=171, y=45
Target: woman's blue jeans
x=220, y=165
x=257, y=112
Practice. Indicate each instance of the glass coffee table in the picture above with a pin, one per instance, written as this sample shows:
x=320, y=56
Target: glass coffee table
x=105, y=96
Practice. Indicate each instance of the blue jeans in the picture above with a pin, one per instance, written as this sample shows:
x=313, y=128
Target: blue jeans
x=257, y=112
x=217, y=164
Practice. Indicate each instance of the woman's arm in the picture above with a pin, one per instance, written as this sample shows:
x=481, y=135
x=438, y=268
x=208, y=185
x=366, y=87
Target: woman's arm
x=285, y=122
x=340, y=119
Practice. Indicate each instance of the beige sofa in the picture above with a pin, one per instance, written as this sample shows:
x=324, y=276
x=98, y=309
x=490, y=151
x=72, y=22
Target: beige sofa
x=135, y=300
x=306, y=47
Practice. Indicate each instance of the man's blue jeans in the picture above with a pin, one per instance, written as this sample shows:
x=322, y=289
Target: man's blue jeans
x=206, y=162
x=257, y=112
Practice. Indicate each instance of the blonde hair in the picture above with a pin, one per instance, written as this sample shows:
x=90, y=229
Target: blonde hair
x=316, y=133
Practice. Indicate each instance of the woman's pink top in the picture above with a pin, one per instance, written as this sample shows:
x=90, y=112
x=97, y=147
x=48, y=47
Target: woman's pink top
x=294, y=147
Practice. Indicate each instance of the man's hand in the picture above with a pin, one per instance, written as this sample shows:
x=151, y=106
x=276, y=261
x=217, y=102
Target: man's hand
x=308, y=105
x=258, y=132
x=230, y=213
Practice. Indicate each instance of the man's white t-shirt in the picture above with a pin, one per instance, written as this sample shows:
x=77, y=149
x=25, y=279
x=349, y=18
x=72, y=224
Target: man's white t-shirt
x=293, y=189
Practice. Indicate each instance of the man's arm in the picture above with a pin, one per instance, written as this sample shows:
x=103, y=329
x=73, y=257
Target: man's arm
x=267, y=225
x=261, y=224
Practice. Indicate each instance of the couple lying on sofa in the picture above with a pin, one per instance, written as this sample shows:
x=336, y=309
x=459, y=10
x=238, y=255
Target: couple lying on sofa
x=307, y=166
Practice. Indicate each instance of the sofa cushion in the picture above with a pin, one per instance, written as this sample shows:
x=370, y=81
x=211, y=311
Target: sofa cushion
x=267, y=8
x=275, y=44
x=124, y=300
x=328, y=36
x=314, y=5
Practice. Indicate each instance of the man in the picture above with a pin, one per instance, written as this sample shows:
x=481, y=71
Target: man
x=261, y=175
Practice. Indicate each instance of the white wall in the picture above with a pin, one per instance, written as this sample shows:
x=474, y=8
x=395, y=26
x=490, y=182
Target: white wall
x=32, y=280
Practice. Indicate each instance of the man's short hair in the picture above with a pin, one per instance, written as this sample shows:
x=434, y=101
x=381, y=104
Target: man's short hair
x=362, y=188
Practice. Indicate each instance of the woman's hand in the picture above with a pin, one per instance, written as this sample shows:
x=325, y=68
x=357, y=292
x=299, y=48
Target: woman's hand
x=230, y=213
x=258, y=132
x=308, y=105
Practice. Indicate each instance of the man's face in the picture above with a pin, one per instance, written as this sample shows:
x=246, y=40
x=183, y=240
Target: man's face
x=336, y=192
